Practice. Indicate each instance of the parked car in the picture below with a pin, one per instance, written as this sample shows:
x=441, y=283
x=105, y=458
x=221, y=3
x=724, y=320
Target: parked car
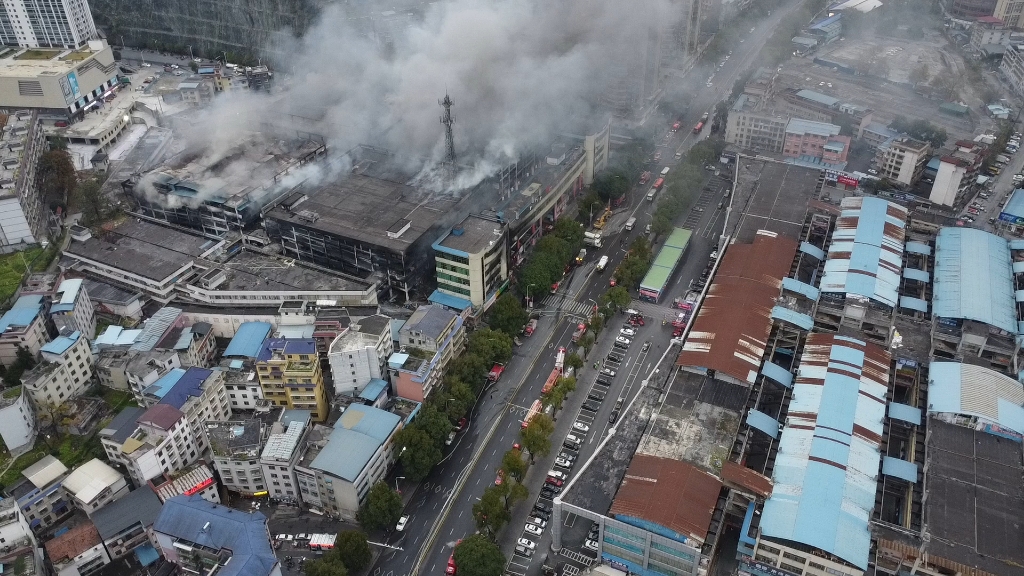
x=581, y=427
x=590, y=545
x=623, y=340
x=573, y=439
x=553, y=481
x=527, y=543
x=627, y=332
x=613, y=416
x=608, y=372
x=524, y=551
x=563, y=462
x=596, y=397
x=536, y=521
x=568, y=456
x=533, y=529
x=647, y=346
x=591, y=406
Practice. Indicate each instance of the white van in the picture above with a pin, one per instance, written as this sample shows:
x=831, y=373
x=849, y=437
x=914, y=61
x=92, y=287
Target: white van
x=630, y=223
x=664, y=171
x=557, y=474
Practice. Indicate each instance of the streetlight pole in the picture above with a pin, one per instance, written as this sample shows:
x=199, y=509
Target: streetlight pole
x=396, y=484
x=190, y=55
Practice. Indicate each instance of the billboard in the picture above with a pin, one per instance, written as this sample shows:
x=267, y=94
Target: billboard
x=1011, y=218
x=847, y=180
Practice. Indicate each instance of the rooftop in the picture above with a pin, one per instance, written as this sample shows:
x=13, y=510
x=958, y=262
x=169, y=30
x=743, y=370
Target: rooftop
x=139, y=506
x=249, y=270
x=248, y=339
x=22, y=314
x=866, y=255
x=731, y=330
x=430, y=321
x=45, y=471
x=144, y=249
x=286, y=346
x=189, y=384
x=973, y=278
x=674, y=495
x=61, y=344
x=167, y=486
x=65, y=547
x=243, y=536
x=1015, y=205
x=801, y=126
x=993, y=398
x=357, y=436
x=109, y=294
x=155, y=327
x=35, y=62
x=826, y=469
x=16, y=129
x=471, y=236
x=237, y=439
x=67, y=295
x=775, y=196
x=162, y=416
x=818, y=97
x=123, y=425
x=90, y=479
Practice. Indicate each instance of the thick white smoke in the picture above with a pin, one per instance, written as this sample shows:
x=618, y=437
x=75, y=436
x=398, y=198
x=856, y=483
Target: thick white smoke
x=519, y=72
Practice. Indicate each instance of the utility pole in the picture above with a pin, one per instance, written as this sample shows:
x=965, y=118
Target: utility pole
x=449, y=162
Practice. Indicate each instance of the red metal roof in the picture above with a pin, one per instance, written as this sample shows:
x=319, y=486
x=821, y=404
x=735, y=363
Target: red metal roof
x=746, y=479
x=731, y=330
x=670, y=493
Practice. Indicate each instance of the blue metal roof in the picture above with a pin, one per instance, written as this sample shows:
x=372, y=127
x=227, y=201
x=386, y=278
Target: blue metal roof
x=449, y=301
x=915, y=247
x=778, y=373
x=915, y=274
x=763, y=422
x=905, y=413
x=1015, y=205
x=373, y=390
x=68, y=290
x=798, y=319
x=818, y=97
x=165, y=383
x=899, y=469
x=826, y=22
x=811, y=249
x=866, y=253
x=973, y=278
x=912, y=303
x=988, y=395
x=826, y=470
x=23, y=312
x=248, y=339
x=794, y=285
x=287, y=345
x=243, y=534
x=60, y=344
x=357, y=436
x=189, y=384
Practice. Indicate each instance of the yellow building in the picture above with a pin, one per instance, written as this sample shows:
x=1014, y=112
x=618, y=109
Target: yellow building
x=290, y=376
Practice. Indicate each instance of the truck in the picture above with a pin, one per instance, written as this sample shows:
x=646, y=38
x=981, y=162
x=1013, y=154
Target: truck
x=549, y=384
x=698, y=127
x=704, y=117
x=664, y=172
x=645, y=177
x=602, y=263
x=592, y=239
x=581, y=329
x=535, y=409
x=321, y=541
x=616, y=202
x=531, y=327
x=675, y=127
x=630, y=223
x=659, y=183
x=581, y=256
x=560, y=358
x=496, y=372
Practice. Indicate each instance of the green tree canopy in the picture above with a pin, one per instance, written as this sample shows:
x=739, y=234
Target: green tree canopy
x=328, y=565
x=617, y=298
x=56, y=177
x=508, y=315
x=382, y=509
x=537, y=435
x=419, y=453
x=491, y=345
x=489, y=512
x=573, y=360
x=478, y=556
x=570, y=231
x=514, y=465
x=353, y=549
x=611, y=184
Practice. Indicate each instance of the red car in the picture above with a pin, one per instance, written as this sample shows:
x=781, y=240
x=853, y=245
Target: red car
x=677, y=332
x=450, y=570
x=460, y=425
x=553, y=481
x=516, y=446
x=499, y=478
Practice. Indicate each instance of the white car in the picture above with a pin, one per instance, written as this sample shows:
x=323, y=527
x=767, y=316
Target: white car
x=608, y=372
x=590, y=545
x=623, y=340
x=401, y=523
x=535, y=530
x=538, y=521
x=574, y=439
x=581, y=427
x=146, y=64
x=627, y=332
x=527, y=543
x=563, y=462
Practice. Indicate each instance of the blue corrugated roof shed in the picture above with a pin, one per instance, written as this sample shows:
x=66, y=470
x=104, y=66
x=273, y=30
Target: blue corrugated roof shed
x=972, y=278
x=1015, y=205
x=243, y=535
x=866, y=254
x=357, y=436
x=287, y=346
x=60, y=344
x=373, y=390
x=976, y=391
x=68, y=291
x=23, y=312
x=248, y=339
x=827, y=466
x=189, y=384
x=438, y=297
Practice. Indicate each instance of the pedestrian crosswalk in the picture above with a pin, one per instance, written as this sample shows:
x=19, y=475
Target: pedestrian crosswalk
x=568, y=305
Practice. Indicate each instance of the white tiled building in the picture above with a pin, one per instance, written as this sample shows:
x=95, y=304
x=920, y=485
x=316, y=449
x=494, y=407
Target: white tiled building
x=282, y=451
x=72, y=310
x=17, y=420
x=65, y=371
x=360, y=354
x=150, y=442
x=93, y=485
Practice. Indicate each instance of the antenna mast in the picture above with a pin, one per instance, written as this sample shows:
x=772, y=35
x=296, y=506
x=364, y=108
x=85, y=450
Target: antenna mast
x=449, y=162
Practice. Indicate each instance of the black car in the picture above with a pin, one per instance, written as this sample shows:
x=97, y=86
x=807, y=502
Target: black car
x=591, y=406
x=615, y=358
x=570, y=445
x=596, y=397
x=544, y=507
x=613, y=416
x=547, y=493
x=622, y=346
x=604, y=381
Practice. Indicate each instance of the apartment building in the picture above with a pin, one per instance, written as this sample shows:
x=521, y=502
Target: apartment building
x=1012, y=67
x=23, y=326
x=93, y=485
x=39, y=493
x=236, y=446
x=289, y=374
x=1010, y=12
x=336, y=475
x=47, y=24
x=429, y=340
x=72, y=309
x=205, y=538
x=758, y=130
x=77, y=551
x=282, y=452
x=471, y=262
x=17, y=420
x=902, y=160
x=65, y=371
x=815, y=141
x=150, y=442
x=22, y=214
x=127, y=524
x=951, y=182
x=360, y=354
x=199, y=393
x=15, y=533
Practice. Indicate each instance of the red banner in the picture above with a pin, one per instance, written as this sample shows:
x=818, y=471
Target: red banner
x=844, y=179
x=199, y=487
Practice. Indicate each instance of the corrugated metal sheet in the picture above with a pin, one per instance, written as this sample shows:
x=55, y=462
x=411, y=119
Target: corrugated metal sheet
x=918, y=248
x=905, y=413
x=826, y=469
x=912, y=303
x=899, y=469
x=731, y=331
x=973, y=278
x=798, y=319
x=669, y=493
x=866, y=254
x=976, y=391
x=760, y=421
x=915, y=274
x=739, y=475
x=794, y=285
x=778, y=373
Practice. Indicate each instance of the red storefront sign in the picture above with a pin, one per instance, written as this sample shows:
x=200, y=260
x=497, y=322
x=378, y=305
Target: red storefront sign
x=199, y=487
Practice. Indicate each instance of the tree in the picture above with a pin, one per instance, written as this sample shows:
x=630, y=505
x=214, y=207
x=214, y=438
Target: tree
x=490, y=512
x=537, y=435
x=491, y=345
x=326, y=566
x=56, y=177
x=353, y=550
x=455, y=398
x=434, y=423
x=587, y=341
x=514, y=465
x=382, y=509
x=478, y=556
x=596, y=324
x=573, y=360
x=508, y=315
x=570, y=231
x=419, y=453
x=611, y=184
x=91, y=200
x=661, y=224
x=568, y=384
x=590, y=205
x=617, y=297
x=516, y=493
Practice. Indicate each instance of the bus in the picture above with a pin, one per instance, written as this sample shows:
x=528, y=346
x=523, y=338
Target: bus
x=698, y=127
